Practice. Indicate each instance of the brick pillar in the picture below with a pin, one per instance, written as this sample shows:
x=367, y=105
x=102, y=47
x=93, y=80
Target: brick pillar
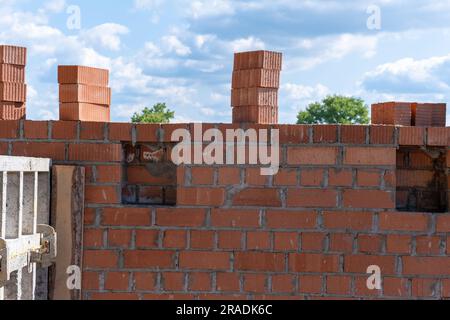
x=13, y=90
x=410, y=114
x=84, y=94
x=255, y=84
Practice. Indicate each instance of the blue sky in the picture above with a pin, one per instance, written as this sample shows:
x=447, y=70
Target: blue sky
x=181, y=51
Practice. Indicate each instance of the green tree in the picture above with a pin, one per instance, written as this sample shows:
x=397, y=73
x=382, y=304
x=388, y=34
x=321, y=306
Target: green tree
x=159, y=113
x=335, y=110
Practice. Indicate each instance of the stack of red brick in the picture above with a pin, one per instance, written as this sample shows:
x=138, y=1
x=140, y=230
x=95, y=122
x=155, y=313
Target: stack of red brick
x=256, y=80
x=13, y=90
x=410, y=114
x=84, y=94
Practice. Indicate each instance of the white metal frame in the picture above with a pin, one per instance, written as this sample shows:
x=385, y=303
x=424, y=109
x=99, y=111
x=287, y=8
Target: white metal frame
x=24, y=194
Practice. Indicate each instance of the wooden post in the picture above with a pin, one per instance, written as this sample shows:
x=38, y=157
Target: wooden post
x=67, y=217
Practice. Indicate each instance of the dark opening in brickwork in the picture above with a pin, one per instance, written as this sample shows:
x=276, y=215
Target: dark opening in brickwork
x=422, y=179
x=150, y=178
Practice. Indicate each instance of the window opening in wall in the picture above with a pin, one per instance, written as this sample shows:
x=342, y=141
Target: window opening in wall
x=422, y=180
x=150, y=177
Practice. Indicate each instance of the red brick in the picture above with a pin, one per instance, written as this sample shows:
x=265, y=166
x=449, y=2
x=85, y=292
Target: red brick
x=424, y=288
x=312, y=155
x=340, y=178
x=35, y=129
x=293, y=134
x=64, y=130
x=258, y=261
x=403, y=221
x=120, y=131
x=117, y=281
x=228, y=282
x=283, y=283
x=255, y=283
x=89, y=216
x=143, y=175
x=253, y=177
x=92, y=131
x=54, y=150
x=339, y=285
x=438, y=137
x=395, y=287
x=102, y=195
x=90, y=280
x=248, y=97
x=443, y=223
x=12, y=73
x=370, y=156
x=100, y=259
x=411, y=136
x=361, y=288
x=108, y=174
x=95, y=152
x=229, y=176
x=175, y=217
x=202, y=239
x=145, y=281
x=147, y=239
x=3, y=148
x=285, y=177
x=258, y=241
x=310, y=284
x=360, y=263
x=446, y=288
x=313, y=241
x=393, y=113
x=369, y=178
x=258, y=197
x=146, y=259
x=430, y=266
x=313, y=262
x=126, y=217
x=83, y=75
x=348, y=220
x=341, y=242
x=113, y=296
x=311, y=178
x=80, y=93
x=428, y=245
x=230, y=240
x=291, y=220
x=205, y=260
x=200, y=196
x=9, y=129
x=235, y=218
x=286, y=241
x=312, y=198
x=414, y=178
x=202, y=176
x=370, y=243
x=200, y=282
x=257, y=60
x=147, y=132
x=93, y=238
x=13, y=55
x=13, y=92
x=398, y=244
x=175, y=239
x=119, y=238
x=173, y=281
x=325, y=133
x=353, y=134
x=84, y=112
x=382, y=134
x=368, y=199
x=261, y=78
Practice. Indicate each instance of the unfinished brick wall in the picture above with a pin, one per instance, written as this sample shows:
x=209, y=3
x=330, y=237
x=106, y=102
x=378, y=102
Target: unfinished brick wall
x=309, y=232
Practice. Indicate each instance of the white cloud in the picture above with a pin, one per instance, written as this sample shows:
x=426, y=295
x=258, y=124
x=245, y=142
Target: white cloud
x=173, y=44
x=55, y=6
x=409, y=75
x=208, y=8
x=247, y=44
x=106, y=35
x=147, y=4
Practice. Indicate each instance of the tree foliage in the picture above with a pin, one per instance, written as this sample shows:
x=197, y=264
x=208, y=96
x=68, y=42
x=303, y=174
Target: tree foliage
x=335, y=110
x=159, y=113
